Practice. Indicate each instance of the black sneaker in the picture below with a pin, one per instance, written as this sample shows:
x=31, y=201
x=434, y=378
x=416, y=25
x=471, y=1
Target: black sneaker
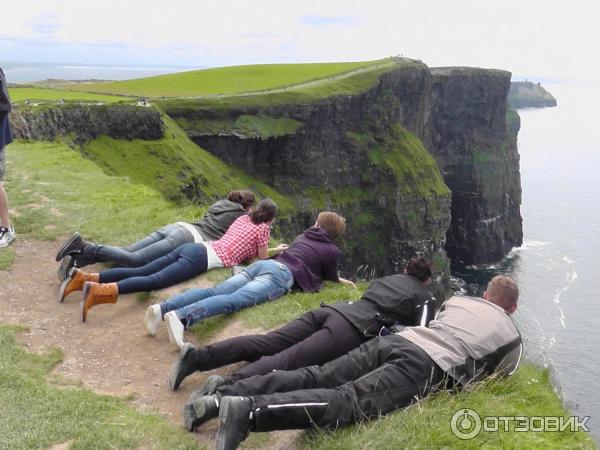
x=182, y=367
x=234, y=413
x=210, y=386
x=199, y=411
x=74, y=245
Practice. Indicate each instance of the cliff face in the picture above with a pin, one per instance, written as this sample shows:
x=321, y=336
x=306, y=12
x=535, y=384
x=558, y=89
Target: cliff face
x=362, y=155
x=475, y=147
x=525, y=94
x=86, y=122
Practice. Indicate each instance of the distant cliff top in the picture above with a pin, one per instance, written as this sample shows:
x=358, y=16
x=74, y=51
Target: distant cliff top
x=526, y=94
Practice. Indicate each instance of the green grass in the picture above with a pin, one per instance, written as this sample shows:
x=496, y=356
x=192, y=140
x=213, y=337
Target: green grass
x=426, y=425
x=44, y=95
x=246, y=126
x=55, y=191
x=310, y=93
x=7, y=256
x=403, y=154
x=37, y=414
x=223, y=80
x=177, y=167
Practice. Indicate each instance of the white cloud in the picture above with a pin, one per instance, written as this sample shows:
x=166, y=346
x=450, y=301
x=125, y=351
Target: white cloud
x=527, y=37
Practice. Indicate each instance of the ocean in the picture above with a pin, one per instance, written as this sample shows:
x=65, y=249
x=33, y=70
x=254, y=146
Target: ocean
x=556, y=266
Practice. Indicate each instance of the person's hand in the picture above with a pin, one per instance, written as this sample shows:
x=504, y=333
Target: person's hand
x=281, y=248
x=347, y=283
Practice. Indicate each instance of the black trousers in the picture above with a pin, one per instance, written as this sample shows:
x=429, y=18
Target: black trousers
x=315, y=338
x=380, y=376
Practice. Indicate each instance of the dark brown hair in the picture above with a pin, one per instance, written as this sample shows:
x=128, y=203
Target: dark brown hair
x=332, y=223
x=419, y=268
x=503, y=291
x=243, y=197
x=265, y=210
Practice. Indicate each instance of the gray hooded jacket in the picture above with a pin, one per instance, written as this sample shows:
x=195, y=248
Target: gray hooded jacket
x=218, y=218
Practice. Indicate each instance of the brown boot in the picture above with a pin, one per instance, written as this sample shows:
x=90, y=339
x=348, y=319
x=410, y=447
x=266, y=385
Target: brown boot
x=97, y=294
x=74, y=282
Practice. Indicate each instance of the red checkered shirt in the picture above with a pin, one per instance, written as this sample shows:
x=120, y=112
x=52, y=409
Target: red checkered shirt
x=241, y=241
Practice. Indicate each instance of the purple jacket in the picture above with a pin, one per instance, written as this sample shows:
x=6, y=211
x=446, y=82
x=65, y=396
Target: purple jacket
x=312, y=258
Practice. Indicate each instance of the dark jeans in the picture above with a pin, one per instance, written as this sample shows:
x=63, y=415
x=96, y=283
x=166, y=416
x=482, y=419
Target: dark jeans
x=157, y=244
x=183, y=263
x=378, y=377
x=315, y=338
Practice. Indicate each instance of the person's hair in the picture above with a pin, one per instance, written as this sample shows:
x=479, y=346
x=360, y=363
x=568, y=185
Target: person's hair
x=419, y=268
x=243, y=197
x=503, y=291
x=265, y=210
x=332, y=223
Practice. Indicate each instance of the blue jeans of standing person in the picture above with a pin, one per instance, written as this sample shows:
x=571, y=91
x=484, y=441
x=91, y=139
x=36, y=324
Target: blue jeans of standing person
x=160, y=243
x=257, y=283
x=183, y=263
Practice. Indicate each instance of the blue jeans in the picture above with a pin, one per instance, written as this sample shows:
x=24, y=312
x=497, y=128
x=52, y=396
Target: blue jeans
x=260, y=281
x=159, y=243
x=183, y=263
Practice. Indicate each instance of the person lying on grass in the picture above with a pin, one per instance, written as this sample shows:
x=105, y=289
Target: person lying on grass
x=246, y=239
x=320, y=335
x=76, y=252
x=310, y=259
x=471, y=339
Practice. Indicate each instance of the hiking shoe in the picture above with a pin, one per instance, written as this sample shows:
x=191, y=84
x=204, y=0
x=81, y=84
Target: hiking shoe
x=210, y=386
x=235, y=415
x=74, y=245
x=175, y=329
x=74, y=282
x=98, y=294
x=67, y=263
x=199, y=411
x=7, y=235
x=182, y=367
x=152, y=319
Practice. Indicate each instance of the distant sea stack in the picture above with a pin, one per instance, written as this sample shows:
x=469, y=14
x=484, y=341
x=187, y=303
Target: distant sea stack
x=526, y=94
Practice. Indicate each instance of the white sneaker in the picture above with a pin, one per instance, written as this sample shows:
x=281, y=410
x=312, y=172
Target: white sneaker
x=175, y=329
x=7, y=235
x=152, y=319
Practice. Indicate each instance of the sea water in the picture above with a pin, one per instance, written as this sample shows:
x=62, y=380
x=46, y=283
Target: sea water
x=557, y=266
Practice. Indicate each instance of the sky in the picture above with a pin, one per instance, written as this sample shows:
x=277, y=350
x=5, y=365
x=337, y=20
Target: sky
x=549, y=39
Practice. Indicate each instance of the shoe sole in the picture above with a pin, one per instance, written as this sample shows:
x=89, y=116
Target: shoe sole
x=61, y=252
x=63, y=287
x=174, y=383
x=195, y=415
x=172, y=339
x=210, y=387
x=66, y=264
x=149, y=320
x=224, y=418
x=86, y=291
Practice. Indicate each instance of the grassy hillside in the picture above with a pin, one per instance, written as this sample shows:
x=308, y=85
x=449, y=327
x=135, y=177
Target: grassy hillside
x=223, y=80
x=40, y=94
x=54, y=190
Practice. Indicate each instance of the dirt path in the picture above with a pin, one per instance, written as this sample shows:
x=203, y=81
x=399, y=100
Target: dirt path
x=110, y=353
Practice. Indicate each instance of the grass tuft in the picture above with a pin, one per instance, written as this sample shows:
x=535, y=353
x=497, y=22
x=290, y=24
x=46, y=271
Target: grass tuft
x=7, y=257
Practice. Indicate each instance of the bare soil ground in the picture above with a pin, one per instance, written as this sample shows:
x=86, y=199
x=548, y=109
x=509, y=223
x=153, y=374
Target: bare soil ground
x=111, y=352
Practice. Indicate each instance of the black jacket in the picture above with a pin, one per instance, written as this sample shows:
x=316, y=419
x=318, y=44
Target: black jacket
x=4, y=98
x=218, y=218
x=393, y=299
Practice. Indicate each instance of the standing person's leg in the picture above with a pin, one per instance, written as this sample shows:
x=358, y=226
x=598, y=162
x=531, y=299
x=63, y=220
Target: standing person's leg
x=7, y=233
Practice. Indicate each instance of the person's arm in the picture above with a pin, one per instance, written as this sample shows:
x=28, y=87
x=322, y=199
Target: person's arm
x=263, y=252
x=277, y=250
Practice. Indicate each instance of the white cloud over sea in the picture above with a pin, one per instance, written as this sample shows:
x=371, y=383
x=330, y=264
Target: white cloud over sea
x=530, y=38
